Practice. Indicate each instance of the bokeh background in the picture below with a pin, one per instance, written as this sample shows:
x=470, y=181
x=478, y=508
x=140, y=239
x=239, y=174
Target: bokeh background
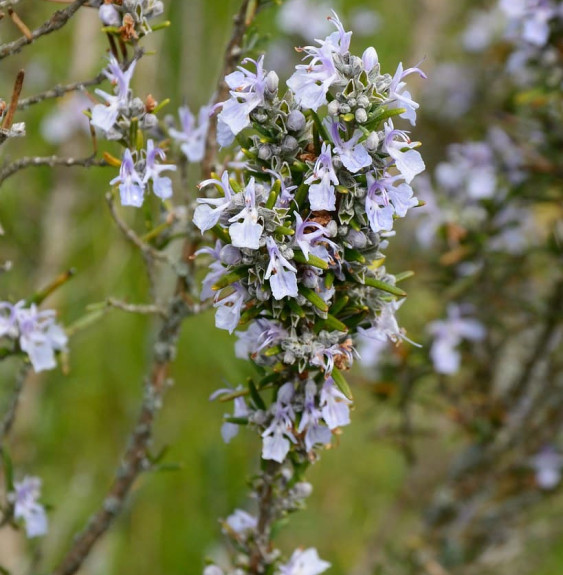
x=73, y=424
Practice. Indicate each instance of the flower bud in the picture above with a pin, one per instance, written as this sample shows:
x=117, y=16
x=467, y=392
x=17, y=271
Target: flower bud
x=109, y=15
x=264, y=152
x=361, y=116
x=370, y=59
x=272, y=83
x=289, y=145
x=296, y=121
x=303, y=489
x=334, y=108
x=372, y=142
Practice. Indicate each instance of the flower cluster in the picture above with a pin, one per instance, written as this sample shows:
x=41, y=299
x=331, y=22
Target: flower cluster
x=130, y=16
x=302, y=227
x=36, y=333
x=24, y=498
x=121, y=109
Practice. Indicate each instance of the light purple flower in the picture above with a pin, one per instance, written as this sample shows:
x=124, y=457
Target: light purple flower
x=309, y=234
x=39, y=336
x=247, y=93
x=26, y=507
x=370, y=59
x=310, y=418
x=321, y=194
x=401, y=98
x=109, y=15
x=448, y=334
x=335, y=406
x=282, y=275
x=229, y=308
x=385, y=326
x=241, y=522
x=216, y=270
x=162, y=186
x=192, y=137
x=304, y=562
x=311, y=82
x=408, y=161
x=209, y=210
x=261, y=334
x=246, y=234
x=547, y=464
x=353, y=155
x=104, y=116
x=131, y=185
x=278, y=435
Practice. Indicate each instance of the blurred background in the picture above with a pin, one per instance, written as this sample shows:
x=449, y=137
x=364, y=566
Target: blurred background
x=73, y=424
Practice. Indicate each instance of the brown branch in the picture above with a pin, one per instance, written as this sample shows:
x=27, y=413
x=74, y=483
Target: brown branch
x=10, y=415
x=51, y=161
x=9, y=117
x=230, y=61
x=134, y=460
x=60, y=90
x=55, y=22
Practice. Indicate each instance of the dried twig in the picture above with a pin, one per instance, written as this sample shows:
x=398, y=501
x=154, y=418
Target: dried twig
x=57, y=21
x=60, y=90
x=10, y=415
x=51, y=161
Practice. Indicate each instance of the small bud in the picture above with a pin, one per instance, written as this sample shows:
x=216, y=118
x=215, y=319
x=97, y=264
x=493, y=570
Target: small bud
x=137, y=107
x=334, y=108
x=370, y=59
x=272, y=83
x=345, y=109
x=363, y=101
x=149, y=122
x=264, y=152
x=296, y=121
x=289, y=145
x=109, y=15
x=361, y=116
x=303, y=489
x=372, y=142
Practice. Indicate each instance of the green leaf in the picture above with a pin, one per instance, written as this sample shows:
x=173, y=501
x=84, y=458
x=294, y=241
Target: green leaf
x=404, y=276
x=256, y=398
x=341, y=383
x=352, y=255
x=232, y=277
x=314, y=298
x=383, y=286
x=274, y=193
x=8, y=469
x=313, y=260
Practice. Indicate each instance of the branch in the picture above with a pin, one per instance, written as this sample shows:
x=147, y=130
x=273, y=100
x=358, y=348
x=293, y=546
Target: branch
x=60, y=90
x=51, y=161
x=10, y=415
x=134, y=460
x=57, y=21
x=230, y=60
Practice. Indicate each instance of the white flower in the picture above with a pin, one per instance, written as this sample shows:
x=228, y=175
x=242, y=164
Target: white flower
x=304, y=562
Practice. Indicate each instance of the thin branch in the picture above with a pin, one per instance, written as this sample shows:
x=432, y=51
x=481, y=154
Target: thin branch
x=10, y=415
x=136, y=308
x=60, y=90
x=57, y=21
x=9, y=117
x=12, y=168
x=134, y=460
x=230, y=61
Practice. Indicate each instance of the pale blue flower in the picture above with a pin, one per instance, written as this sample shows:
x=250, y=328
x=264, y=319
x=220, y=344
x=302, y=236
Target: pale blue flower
x=310, y=420
x=277, y=436
x=304, y=562
x=104, y=116
x=241, y=522
x=131, y=185
x=448, y=334
x=353, y=155
x=308, y=234
x=261, y=334
x=408, y=161
x=401, y=98
x=216, y=270
x=24, y=498
x=321, y=194
x=335, y=406
x=370, y=59
x=229, y=308
x=209, y=210
x=162, y=186
x=247, y=93
x=246, y=234
x=282, y=275
x=192, y=137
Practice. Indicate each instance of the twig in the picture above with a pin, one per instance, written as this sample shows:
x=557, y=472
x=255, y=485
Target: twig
x=19, y=23
x=60, y=90
x=9, y=117
x=230, y=61
x=10, y=415
x=51, y=161
x=57, y=21
x=134, y=460
x=136, y=308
